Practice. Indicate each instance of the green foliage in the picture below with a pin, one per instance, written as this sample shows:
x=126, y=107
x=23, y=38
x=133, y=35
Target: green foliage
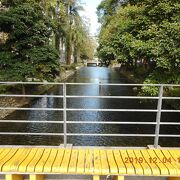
x=77, y=34
x=87, y=48
x=105, y=9
x=26, y=53
x=144, y=30
x=13, y=3
x=69, y=67
x=3, y=89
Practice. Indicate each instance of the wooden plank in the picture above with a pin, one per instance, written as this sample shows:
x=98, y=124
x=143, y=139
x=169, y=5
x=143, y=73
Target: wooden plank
x=164, y=160
x=1, y=150
x=97, y=162
x=50, y=161
x=146, y=168
x=73, y=161
x=129, y=166
x=112, y=163
x=177, y=152
x=96, y=177
x=4, y=153
x=175, y=159
x=14, y=177
x=36, y=177
x=163, y=169
x=65, y=162
x=81, y=162
x=35, y=160
x=57, y=163
x=24, y=164
x=7, y=166
x=89, y=162
x=40, y=165
x=137, y=166
x=18, y=160
x=7, y=157
x=118, y=177
x=176, y=155
x=104, y=163
x=155, y=169
x=119, y=162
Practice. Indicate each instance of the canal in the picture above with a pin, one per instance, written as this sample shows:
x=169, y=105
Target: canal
x=92, y=75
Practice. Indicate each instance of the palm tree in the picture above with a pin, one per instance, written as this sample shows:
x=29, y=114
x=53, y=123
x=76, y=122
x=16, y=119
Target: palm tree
x=79, y=36
x=72, y=29
x=68, y=27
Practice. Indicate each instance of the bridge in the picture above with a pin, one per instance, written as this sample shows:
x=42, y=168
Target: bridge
x=118, y=162
x=92, y=63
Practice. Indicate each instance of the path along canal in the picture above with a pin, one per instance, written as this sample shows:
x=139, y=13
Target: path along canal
x=92, y=75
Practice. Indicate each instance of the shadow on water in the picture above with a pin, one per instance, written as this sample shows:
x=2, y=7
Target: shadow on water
x=92, y=75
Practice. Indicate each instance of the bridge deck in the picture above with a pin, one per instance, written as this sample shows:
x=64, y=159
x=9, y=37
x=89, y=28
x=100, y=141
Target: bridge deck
x=91, y=161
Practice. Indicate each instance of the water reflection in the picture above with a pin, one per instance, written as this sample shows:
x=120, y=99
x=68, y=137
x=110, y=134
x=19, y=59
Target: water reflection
x=92, y=75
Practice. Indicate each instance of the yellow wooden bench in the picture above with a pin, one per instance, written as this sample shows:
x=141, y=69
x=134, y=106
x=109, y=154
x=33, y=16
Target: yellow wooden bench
x=14, y=162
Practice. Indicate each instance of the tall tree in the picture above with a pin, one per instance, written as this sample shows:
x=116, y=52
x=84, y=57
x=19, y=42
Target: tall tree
x=145, y=30
x=73, y=16
x=26, y=53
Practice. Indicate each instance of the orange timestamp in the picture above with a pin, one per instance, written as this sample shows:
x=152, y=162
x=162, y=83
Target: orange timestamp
x=154, y=160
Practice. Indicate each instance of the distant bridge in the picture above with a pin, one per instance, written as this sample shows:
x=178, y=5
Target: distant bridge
x=92, y=63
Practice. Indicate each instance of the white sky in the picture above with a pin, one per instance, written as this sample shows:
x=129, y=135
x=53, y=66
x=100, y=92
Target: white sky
x=90, y=12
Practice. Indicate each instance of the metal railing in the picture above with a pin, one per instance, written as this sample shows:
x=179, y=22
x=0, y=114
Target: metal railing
x=65, y=110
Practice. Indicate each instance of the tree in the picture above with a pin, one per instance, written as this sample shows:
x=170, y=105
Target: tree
x=73, y=17
x=87, y=48
x=77, y=35
x=148, y=31
x=26, y=53
x=106, y=9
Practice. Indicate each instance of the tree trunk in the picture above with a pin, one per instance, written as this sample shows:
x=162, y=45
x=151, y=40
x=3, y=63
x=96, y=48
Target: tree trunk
x=57, y=42
x=68, y=48
x=75, y=54
x=135, y=63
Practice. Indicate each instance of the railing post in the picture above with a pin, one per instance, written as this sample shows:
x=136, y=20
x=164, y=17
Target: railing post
x=158, y=117
x=100, y=88
x=64, y=115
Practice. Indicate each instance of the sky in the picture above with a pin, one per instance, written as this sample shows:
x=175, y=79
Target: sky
x=90, y=12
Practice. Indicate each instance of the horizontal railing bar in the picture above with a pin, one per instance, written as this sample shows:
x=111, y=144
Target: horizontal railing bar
x=110, y=122
x=170, y=85
x=115, y=84
x=87, y=122
x=170, y=123
x=113, y=97
x=143, y=123
x=99, y=97
x=82, y=134
x=69, y=109
x=68, y=96
x=112, y=135
x=169, y=135
x=29, y=121
x=33, y=83
x=40, y=96
x=32, y=134
x=103, y=110
x=164, y=110
x=34, y=109
x=75, y=134
x=74, y=122
x=107, y=84
x=176, y=98
x=114, y=110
